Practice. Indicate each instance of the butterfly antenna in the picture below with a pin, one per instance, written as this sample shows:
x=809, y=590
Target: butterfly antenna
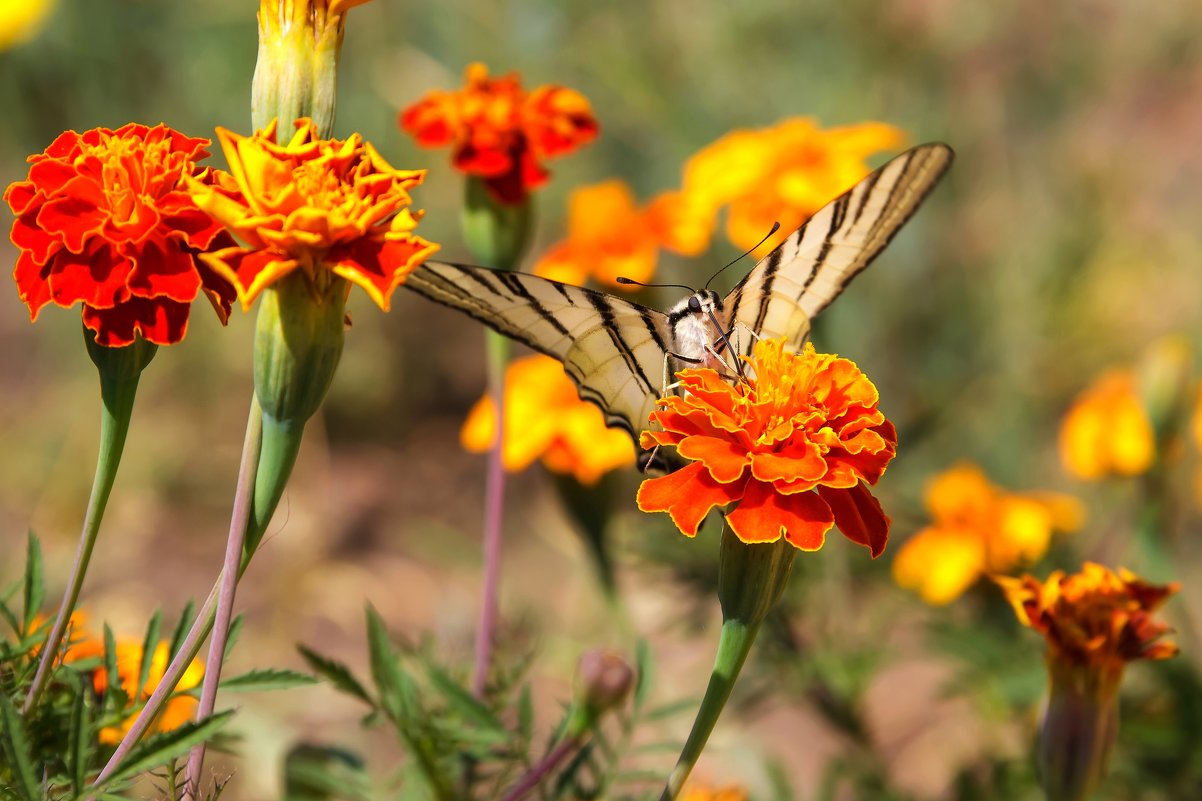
x=621, y=279
x=745, y=254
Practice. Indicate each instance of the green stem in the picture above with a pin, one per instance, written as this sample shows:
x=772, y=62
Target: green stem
x=733, y=646
x=118, y=387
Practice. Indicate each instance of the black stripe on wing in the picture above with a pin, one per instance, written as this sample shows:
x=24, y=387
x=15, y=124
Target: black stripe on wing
x=801, y=277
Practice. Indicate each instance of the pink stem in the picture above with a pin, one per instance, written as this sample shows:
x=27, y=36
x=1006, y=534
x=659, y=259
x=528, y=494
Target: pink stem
x=494, y=505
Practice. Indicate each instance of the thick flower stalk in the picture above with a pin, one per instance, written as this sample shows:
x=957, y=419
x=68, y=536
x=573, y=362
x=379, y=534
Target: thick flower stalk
x=104, y=219
x=1094, y=623
x=296, y=73
x=786, y=455
x=978, y=529
x=499, y=135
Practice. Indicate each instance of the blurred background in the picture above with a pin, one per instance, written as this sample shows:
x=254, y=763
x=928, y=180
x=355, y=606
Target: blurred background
x=1065, y=241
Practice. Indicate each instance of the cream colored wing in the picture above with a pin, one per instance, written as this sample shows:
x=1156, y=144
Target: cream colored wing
x=790, y=285
x=613, y=349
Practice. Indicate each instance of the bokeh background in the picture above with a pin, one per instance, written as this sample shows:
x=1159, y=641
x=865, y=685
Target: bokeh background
x=1065, y=240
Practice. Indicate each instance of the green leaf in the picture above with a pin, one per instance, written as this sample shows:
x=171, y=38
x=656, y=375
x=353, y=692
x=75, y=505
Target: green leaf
x=80, y=735
x=16, y=748
x=463, y=702
x=267, y=679
x=181, y=629
x=114, y=692
x=35, y=588
x=10, y=618
x=149, y=645
x=645, y=673
x=318, y=773
x=232, y=638
x=337, y=674
x=162, y=748
x=386, y=670
x=526, y=714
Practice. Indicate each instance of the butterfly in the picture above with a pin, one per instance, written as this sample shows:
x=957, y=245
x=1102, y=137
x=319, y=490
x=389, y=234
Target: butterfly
x=618, y=352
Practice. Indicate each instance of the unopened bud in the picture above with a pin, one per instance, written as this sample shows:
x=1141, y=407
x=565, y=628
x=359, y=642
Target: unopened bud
x=603, y=680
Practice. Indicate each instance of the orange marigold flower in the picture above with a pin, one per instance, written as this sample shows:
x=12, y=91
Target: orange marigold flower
x=501, y=132
x=795, y=447
x=978, y=528
x=325, y=206
x=1096, y=617
x=783, y=173
x=545, y=417
x=104, y=219
x=608, y=237
x=180, y=709
x=1107, y=430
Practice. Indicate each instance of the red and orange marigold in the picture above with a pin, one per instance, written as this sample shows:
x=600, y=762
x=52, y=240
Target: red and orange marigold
x=501, y=132
x=788, y=453
x=104, y=219
x=327, y=207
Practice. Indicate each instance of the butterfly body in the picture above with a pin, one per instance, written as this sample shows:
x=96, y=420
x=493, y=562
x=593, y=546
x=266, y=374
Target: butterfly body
x=617, y=351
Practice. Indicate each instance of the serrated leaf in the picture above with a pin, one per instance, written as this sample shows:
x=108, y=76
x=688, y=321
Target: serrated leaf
x=149, y=645
x=267, y=679
x=386, y=670
x=162, y=748
x=181, y=629
x=35, y=588
x=464, y=702
x=11, y=619
x=337, y=674
x=16, y=748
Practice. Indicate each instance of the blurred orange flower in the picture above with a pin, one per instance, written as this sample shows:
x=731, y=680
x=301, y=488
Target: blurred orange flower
x=104, y=219
x=180, y=709
x=1094, y=618
x=325, y=206
x=701, y=792
x=545, y=417
x=795, y=447
x=978, y=528
x=608, y=237
x=1107, y=430
x=783, y=173
x=501, y=132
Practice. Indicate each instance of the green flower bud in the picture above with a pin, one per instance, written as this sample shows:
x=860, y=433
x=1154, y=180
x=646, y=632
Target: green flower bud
x=497, y=233
x=752, y=577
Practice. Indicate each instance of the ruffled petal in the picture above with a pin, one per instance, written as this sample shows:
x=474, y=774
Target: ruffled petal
x=687, y=495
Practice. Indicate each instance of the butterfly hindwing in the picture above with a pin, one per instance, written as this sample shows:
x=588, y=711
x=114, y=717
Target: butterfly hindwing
x=801, y=277
x=613, y=349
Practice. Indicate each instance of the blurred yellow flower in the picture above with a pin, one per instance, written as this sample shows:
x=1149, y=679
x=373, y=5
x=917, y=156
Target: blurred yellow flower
x=545, y=417
x=608, y=237
x=21, y=20
x=180, y=709
x=978, y=528
x=783, y=173
x=1107, y=430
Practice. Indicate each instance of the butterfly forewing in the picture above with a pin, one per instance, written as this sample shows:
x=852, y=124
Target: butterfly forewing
x=801, y=277
x=613, y=349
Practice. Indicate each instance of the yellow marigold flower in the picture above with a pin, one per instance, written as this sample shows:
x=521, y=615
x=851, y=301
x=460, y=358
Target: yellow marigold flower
x=180, y=709
x=545, y=417
x=1107, y=430
x=327, y=207
x=608, y=237
x=21, y=20
x=978, y=529
x=783, y=173
x=1094, y=623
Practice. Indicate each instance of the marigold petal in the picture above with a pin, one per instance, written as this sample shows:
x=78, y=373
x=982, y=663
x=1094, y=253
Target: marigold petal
x=74, y=214
x=801, y=465
x=764, y=515
x=859, y=515
x=158, y=320
x=380, y=265
x=96, y=277
x=940, y=564
x=725, y=460
x=250, y=271
x=687, y=494
x=163, y=268
x=32, y=286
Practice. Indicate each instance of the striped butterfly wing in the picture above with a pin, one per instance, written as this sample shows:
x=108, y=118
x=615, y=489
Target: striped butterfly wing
x=614, y=350
x=801, y=277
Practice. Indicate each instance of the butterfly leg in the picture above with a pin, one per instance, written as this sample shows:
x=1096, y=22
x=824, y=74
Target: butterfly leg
x=668, y=372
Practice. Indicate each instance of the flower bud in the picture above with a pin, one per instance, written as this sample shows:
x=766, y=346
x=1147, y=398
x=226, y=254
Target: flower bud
x=603, y=680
